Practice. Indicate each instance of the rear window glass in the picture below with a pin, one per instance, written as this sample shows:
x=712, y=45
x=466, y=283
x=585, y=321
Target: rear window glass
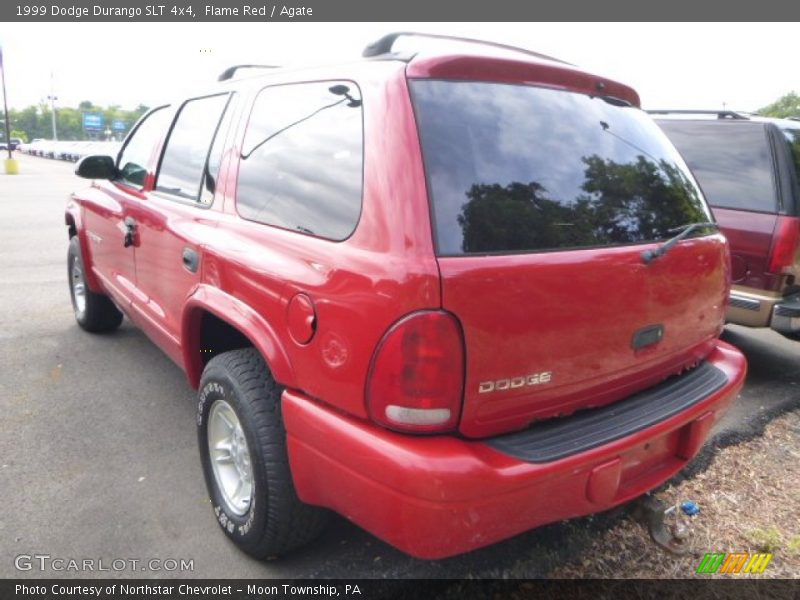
x=732, y=162
x=515, y=168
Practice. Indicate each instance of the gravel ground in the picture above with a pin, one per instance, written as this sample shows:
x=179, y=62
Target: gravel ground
x=749, y=498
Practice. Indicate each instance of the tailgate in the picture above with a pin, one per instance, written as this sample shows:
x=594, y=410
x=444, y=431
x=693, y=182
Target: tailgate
x=550, y=334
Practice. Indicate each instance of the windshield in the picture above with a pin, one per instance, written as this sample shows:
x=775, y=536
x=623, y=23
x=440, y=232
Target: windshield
x=515, y=168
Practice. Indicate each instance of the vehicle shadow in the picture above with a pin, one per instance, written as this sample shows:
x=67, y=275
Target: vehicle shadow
x=771, y=357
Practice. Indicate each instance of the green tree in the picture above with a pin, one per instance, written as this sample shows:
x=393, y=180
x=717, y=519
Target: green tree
x=70, y=124
x=620, y=203
x=784, y=107
x=35, y=121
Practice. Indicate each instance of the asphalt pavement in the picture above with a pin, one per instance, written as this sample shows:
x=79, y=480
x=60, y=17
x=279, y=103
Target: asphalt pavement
x=98, y=456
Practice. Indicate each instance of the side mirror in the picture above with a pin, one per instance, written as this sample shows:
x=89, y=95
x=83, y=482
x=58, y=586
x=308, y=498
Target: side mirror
x=96, y=167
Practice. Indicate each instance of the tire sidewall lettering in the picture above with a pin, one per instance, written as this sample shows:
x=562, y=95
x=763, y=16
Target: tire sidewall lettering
x=232, y=525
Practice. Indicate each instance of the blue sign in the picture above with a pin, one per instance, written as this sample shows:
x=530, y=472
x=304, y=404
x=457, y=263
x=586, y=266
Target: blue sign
x=119, y=125
x=93, y=120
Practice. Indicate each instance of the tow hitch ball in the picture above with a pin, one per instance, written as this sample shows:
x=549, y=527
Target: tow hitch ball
x=651, y=512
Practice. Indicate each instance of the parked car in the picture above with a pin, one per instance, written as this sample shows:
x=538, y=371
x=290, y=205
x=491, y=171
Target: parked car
x=63, y=150
x=47, y=148
x=15, y=144
x=85, y=148
x=749, y=169
x=31, y=147
x=452, y=295
x=102, y=148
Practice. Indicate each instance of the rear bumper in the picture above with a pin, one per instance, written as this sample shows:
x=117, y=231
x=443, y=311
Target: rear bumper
x=438, y=496
x=786, y=316
x=757, y=309
x=751, y=307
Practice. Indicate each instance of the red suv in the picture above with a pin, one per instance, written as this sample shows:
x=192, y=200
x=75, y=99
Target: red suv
x=749, y=169
x=450, y=295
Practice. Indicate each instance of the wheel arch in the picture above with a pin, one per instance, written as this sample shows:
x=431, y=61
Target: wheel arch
x=74, y=222
x=239, y=317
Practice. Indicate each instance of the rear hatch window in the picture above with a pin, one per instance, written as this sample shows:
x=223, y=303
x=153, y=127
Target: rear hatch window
x=515, y=168
x=732, y=162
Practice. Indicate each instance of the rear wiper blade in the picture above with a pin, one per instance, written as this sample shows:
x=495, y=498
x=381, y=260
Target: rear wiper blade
x=685, y=230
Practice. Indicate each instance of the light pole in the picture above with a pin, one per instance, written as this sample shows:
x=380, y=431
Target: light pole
x=12, y=168
x=53, y=115
x=5, y=109
x=52, y=97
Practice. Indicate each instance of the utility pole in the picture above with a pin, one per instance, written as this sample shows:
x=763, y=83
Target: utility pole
x=5, y=107
x=10, y=164
x=52, y=97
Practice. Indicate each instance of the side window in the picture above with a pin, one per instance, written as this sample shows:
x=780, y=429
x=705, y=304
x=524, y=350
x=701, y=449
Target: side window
x=302, y=159
x=139, y=147
x=184, y=164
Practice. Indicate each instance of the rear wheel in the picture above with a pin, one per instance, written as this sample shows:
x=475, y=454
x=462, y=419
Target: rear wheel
x=93, y=312
x=243, y=451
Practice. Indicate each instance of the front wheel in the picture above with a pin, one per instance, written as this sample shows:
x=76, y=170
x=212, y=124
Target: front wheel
x=93, y=312
x=243, y=451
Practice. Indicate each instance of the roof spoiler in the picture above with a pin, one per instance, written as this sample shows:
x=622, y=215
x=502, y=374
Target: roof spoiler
x=384, y=45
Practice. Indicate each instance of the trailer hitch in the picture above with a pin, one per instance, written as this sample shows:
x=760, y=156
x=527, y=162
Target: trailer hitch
x=651, y=512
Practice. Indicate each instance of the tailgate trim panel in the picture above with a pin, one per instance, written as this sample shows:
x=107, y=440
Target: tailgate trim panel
x=561, y=437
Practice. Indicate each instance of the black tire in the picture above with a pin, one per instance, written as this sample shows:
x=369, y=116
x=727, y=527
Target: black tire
x=276, y=521
x=98, y=313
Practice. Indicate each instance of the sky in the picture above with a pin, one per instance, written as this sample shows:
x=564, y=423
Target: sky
x=740, y=66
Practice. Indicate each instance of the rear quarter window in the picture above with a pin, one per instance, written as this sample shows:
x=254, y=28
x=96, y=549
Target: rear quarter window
x=514, y=168
x=732, y=162
x=302, y=159
x=793, y=137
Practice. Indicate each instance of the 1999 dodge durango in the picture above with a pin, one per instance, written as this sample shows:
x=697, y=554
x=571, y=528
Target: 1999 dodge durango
x=451, y=295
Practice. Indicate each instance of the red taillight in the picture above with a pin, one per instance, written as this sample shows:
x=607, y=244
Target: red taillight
x=416, y=378
x=784, y=244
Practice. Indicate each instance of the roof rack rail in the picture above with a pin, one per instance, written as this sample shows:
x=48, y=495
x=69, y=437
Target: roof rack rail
x=721, y=114
x=230, y=71
x=384, y=45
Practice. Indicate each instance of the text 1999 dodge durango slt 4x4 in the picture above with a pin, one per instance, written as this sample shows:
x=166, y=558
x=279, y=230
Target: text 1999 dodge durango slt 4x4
x=450, y=295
